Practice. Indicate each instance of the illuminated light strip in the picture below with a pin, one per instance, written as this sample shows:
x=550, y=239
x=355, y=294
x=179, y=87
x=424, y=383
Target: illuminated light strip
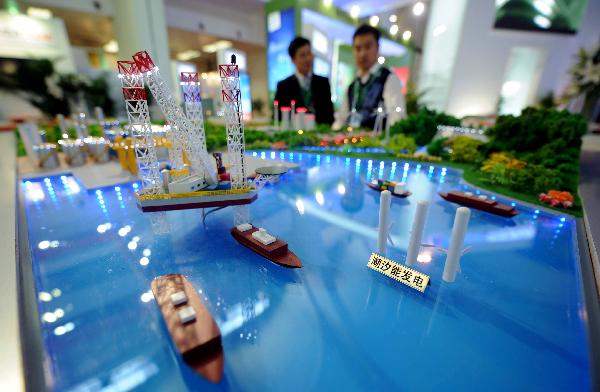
x=194, y=194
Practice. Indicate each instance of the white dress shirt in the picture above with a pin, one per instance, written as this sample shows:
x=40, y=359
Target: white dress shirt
x=304, y=81
x=394, y=103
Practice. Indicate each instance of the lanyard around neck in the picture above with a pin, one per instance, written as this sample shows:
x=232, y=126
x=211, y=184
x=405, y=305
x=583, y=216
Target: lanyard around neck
x=360, y=90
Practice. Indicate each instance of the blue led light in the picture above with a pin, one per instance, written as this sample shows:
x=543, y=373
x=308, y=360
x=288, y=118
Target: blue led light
x=562, y=219
x=536, y=211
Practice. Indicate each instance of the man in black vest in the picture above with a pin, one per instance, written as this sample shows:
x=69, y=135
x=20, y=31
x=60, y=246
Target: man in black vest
x=306, y=89
x=374, y=87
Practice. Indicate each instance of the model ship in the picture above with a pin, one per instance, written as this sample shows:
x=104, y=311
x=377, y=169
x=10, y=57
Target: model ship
x=479, y=202
x=266, y=245
x=397, y=189
x=193, y=330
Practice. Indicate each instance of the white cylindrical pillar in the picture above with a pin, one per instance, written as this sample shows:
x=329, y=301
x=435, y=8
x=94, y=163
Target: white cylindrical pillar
x=293, y=116
x=384, y=220
x=285, y=119
x=99, y=113
x=459, y=230
x=275, y=114
x=141, y=25
x=62, y=125
x=416, y=233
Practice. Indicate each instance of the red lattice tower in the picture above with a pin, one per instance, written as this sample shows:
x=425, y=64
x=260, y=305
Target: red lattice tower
x=144, y=61
x=190, y=86
x=134, y=94
x=230, y=92
x=185, y=134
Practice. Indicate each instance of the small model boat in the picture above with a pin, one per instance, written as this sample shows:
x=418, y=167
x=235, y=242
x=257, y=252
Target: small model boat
x=479, y=202
x=193, y=330
x=396, y=188
x=266, y=245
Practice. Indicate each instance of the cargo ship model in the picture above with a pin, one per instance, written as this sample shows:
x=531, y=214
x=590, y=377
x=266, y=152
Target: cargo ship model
x=479, y=202
x=194, y=332
x=266, y=245
x=397, y=189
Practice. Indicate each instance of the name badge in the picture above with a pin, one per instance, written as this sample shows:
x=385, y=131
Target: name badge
x=355, y=119
x=414, y=279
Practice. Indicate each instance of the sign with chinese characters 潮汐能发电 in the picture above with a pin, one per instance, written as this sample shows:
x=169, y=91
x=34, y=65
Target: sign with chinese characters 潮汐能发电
x=415, y=279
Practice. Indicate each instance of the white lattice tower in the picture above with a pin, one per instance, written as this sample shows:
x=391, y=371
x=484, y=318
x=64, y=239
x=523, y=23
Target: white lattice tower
x=263, y=179
x=183, y=129
x=241, y=214
x=140, y=131
x=190, y=86
x=176, y=149
x=232, y=98
x=159, y=222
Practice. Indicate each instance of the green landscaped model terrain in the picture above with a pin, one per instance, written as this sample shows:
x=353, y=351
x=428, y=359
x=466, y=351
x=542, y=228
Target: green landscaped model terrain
x=525, y=155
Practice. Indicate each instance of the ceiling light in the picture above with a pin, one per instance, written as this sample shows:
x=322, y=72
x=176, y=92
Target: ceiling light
x=543, y=7
x=510, y=88
x=111, y=47
x=393, y=18
x=542, y=21
x=394, y=29
x=439, y=30
x=374, y=20
x=418, y=8
x=41, y=13
x=215, y=46
x=188, y=55
x=406, y=35
x=355, y=11
x=381, y=60
x=327, y=2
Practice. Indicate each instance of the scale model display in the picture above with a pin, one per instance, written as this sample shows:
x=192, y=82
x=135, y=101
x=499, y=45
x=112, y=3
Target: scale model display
x=199, y=184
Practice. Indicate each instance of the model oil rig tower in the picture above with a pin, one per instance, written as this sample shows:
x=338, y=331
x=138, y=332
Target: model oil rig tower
x=192, y=181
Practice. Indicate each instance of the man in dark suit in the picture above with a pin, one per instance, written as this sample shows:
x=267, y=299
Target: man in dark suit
x=306, y=89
